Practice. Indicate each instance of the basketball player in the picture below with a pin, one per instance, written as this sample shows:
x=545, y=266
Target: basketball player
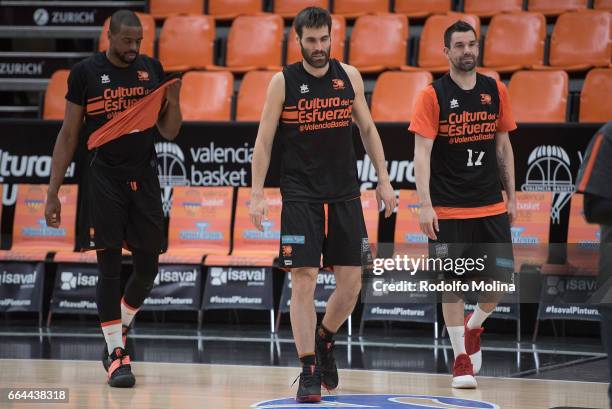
x=121, y=192
x=314, y=103
x=462, y=152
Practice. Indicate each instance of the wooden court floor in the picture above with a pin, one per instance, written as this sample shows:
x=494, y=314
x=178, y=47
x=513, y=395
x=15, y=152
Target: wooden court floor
x=184, y=386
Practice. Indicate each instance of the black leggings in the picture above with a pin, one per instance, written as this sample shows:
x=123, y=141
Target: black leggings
x=138, y=287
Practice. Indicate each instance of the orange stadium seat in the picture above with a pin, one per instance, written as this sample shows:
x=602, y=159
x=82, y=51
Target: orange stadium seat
x=431, y=44
x=55, y=95
x=379, y=42
x=488, y=8
x=515, y=41
x=187, y=42
x=164, y=8
x=229, y=9
x=252, y=247
x=200, y=223
x=148, y=34
x=488, y=72
x=539, y=96
x=422, y=8
x=338, y=36
x=207, y=96
x=32, y=239
x=596, y=96
x=356, y=8
x=580, y=41
x=255, y=42
x=604, y=5
x=394, y=95
x=555, y=7
x=252, y=95
x=289, y=8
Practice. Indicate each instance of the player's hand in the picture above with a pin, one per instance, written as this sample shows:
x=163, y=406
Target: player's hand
x=511, y=206
x=385, y=194
x=53, y=209
x=258, y=210
x=172, y=92
x=428, y=220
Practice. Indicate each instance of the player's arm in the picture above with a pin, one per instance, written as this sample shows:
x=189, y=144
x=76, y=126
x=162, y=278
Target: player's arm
x=273, y=107
x=371, y=141
x=424, y=125
x=428, y=219
x=65, y=145
x=505, y=163
x=503, y=148
x=170, y=118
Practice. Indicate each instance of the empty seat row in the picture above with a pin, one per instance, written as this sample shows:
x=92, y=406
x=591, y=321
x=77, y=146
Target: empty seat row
x=514, y=41
x=227, y=9
x=536, y=96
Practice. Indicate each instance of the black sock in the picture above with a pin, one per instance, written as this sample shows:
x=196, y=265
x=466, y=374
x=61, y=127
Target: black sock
x=308, y=359
x=326, y=334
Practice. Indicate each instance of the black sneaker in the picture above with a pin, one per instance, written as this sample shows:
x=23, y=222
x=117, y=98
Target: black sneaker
x=326, y=360
x=128, y=348
x=120, y=372
x=309, y=389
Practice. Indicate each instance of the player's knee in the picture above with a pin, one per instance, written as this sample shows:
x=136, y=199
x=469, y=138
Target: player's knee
x=109, y=264
x=303, y=283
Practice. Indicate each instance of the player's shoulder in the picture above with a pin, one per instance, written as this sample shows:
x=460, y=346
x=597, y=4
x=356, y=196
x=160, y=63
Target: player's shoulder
x=87, y=64
x=350, y=70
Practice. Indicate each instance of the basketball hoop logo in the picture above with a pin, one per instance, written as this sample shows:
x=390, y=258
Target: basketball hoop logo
x=171, y=170
x=549, y=171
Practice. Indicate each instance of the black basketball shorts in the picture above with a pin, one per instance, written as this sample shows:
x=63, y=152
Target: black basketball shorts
x=309, y=231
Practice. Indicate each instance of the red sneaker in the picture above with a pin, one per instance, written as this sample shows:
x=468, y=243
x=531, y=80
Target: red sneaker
x=463, y=375
x=472, y=344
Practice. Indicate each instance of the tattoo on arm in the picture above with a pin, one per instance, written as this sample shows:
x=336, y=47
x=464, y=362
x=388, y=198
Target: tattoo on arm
x=506, y=172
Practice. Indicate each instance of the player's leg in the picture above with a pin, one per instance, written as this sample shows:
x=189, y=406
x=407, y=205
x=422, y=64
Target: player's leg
x=144, y=237
x=451, y=243
x=494, y=243
x=302, y=231
x=109, y=215
x=346, y=242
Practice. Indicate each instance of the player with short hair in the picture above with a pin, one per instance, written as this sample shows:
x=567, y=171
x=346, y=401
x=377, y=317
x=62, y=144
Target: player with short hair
x=313, y=103
x=462, y=152
x=121, y=192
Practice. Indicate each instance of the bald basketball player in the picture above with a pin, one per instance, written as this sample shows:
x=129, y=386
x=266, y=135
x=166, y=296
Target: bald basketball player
x=313, y=103
x=122, y=192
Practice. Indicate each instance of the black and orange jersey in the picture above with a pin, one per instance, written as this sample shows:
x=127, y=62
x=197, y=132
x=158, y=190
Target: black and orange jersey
x=105, y=90
x=315, y=132
x=465, y=180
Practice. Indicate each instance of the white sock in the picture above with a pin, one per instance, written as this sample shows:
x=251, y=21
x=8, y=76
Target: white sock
x=112, y=335
x=456, y=335
x=127, y=313
x=478, y=318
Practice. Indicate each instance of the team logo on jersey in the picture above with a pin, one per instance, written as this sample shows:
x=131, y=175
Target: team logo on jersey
x=104, y=79
x=287, y=251
x=304, y=89
x=454, y=103
x=143, y=75
x=337, y=84
x=485, y=99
